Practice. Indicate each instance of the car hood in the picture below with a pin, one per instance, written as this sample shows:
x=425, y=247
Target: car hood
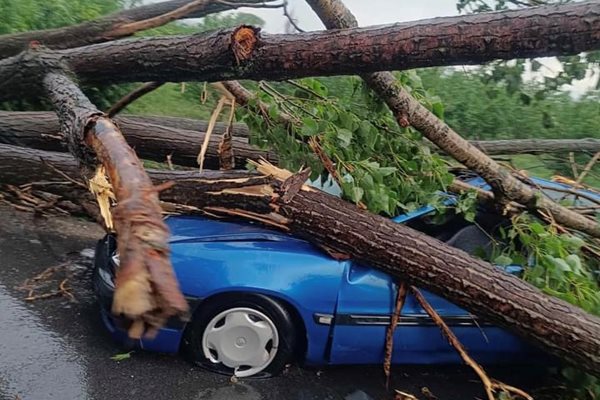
x=199, y=229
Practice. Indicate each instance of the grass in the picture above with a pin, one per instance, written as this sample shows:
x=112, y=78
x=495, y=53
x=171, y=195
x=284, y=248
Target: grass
x=169, y=100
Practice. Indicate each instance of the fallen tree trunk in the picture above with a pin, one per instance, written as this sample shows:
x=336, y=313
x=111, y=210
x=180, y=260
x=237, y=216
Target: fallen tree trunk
x=536, y=146
x=58, y=173
x=109, y=27
x=41, y=130
x=146, y=290
x=409, y=111
x=242, y=53
x=558, y=327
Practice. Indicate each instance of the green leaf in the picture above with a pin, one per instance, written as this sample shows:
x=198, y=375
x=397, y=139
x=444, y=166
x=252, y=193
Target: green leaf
x=121, y=356
x=503, y=260
x=309, y=127
x=345, y=137
x=438, y=110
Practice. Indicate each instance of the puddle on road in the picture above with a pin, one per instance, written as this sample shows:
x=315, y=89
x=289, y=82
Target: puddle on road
x=35, y=363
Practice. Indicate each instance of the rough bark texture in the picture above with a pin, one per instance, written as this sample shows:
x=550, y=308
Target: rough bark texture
x=408, y=111
x=227, y=54
x=106, y=28
x=146, y=289
x=58, y=173
x=537, y=146
x=41, y=130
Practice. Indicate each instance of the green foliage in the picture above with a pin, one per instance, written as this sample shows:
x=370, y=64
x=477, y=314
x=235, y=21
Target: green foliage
x=208, y=23
x=481, y=110
x=121, y=356
x=553, y=261
x=512, y=73
x=25, y=15
x=557, y=264
x=378, y=164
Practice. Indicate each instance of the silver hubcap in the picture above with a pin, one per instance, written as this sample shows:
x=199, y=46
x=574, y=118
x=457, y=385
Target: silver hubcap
x=241, y=338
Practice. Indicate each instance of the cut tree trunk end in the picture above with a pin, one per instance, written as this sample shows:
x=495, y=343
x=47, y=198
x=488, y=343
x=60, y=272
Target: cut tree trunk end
x=146, y=290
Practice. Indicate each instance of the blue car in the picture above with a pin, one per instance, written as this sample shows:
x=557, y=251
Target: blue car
x=262, y=298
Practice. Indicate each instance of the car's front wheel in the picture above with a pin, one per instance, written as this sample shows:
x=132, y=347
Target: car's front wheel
x=246, y=335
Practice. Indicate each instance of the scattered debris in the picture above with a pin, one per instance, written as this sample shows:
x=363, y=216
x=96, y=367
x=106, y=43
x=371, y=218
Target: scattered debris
x=122, y=356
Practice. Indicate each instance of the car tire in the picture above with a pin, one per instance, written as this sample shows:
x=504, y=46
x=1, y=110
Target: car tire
x=230, y=328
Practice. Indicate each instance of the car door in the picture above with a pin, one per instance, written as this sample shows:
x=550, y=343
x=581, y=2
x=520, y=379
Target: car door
x=365, y=303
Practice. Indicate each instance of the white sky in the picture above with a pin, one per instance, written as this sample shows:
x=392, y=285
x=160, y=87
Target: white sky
x=368, y=12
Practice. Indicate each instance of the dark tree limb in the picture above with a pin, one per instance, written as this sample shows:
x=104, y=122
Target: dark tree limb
x=111, y=27
x=132, y=96
x=491, y=386
x=243, y=53
x=409, y=111
x=146, y=289
x=41, y=130
x=537, y=146
x=58, y=173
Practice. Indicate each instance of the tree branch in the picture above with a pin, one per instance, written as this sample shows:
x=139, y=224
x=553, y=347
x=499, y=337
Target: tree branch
x=132, y=96
x=109, y=27
x=146, y=289
x=243, y=53
x=41, y=130
x=408, y=110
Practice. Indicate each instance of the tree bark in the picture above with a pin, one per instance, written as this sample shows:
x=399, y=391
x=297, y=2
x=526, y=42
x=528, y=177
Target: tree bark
x=558, y=327
x=243, y=53
x=58, y=173
x=409, y=111
x=41, y=130
x=146, y=289
x=537, y=146
x=106, y=28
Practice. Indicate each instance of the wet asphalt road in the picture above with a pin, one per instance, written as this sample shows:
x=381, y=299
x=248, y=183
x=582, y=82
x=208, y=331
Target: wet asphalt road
x=57, y=349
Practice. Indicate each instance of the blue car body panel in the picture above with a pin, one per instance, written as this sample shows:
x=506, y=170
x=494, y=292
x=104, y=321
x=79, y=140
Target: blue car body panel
x=214, y=257
x=254, y=259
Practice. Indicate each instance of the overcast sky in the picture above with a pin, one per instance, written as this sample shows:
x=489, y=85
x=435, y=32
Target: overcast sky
x=368, y=12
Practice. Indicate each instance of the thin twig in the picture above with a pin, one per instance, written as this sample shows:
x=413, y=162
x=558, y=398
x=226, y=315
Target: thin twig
x=67, y=177
x=160, y=20
x=211, y=127
x=588, y=167
x=573, y=164
x=226, y=156
x=489, y=385
x=132, y=96
x=290, y=18
x=389, y=334
x=306, y=89
x=250, y=5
